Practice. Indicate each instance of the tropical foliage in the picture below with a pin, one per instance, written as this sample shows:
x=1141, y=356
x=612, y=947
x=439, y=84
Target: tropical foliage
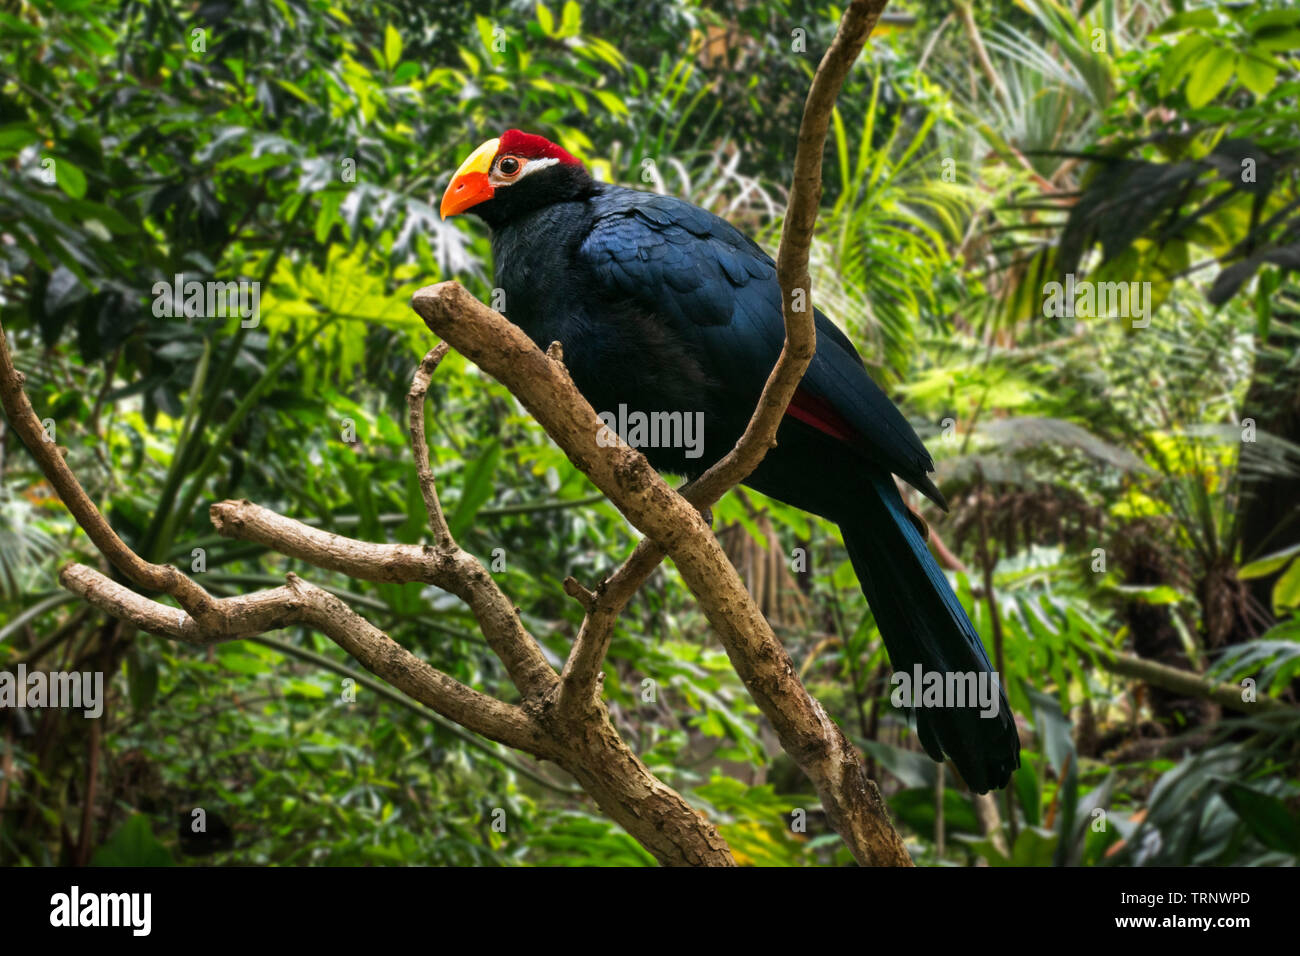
x=1125, y=483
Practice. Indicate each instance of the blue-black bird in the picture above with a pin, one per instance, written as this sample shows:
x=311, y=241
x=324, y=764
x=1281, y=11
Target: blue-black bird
x=663, y=307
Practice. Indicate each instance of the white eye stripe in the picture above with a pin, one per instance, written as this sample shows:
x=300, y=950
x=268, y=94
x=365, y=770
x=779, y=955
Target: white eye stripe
x=530, y=166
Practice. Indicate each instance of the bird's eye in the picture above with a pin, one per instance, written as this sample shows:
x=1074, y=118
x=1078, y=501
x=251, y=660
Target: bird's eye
x=508, y=166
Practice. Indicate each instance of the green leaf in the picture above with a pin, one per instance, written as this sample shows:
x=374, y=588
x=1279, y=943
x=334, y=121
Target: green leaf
x=1273, y=18
x=571, y=19
x=1179, y=61
x=1209, y=75
x=70, y=179
x=14, y=136
x=1256, y=73
x=233, y=659
x=1286, y=592
x=392, y=46
x=1275, y=39
x=484, y=33
x=710, y=725
x=295, y=89
x=1267, y=564
x=133, y=845
x=610, y=102
x=477, y=490
x=301, y=688
x=1157, y=594
x=546, y=20
x=328, y=215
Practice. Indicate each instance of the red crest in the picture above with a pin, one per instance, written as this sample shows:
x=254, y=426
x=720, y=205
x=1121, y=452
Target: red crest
x=518, y=143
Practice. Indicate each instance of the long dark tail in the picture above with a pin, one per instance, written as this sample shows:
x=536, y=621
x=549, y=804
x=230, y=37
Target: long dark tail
x=922, y=622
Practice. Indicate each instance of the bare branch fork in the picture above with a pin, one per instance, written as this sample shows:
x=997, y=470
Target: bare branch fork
x=558, y=717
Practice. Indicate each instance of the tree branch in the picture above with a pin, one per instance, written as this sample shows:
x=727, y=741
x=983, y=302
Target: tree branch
x=584, y=667
x=588, y=746
x=455, y=571
x=545, y=389
x=299, y=602
x=420, y=446
x=1185, y=682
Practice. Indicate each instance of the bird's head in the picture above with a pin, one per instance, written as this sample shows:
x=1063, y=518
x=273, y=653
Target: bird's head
x=514, y=174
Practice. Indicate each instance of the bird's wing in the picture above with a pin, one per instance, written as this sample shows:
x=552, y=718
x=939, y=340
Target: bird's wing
x=701, y=275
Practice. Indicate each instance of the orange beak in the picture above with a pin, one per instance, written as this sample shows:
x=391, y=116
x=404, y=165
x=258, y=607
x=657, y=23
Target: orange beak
x=470, y=185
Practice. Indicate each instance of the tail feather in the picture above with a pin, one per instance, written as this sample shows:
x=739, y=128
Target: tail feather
x=923, y=623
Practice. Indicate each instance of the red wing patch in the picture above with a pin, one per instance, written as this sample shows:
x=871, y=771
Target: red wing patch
x=821, y=415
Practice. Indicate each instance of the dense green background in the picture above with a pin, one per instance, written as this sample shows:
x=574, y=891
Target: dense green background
x=955, y=188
